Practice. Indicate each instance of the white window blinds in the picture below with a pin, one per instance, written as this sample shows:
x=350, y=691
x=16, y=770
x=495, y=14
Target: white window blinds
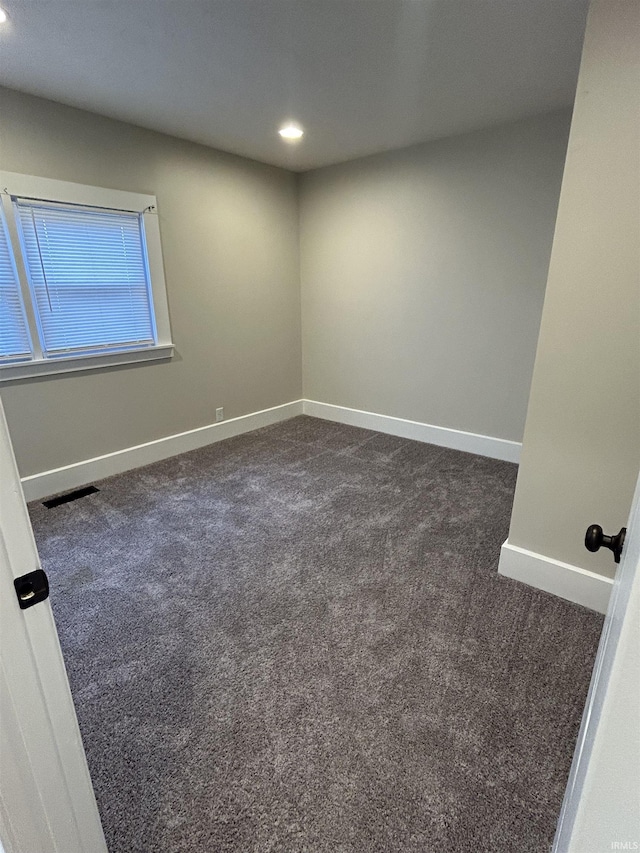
x=15, y=344
x=88, y=275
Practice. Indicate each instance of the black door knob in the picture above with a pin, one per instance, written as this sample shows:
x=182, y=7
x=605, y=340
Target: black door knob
x=596, y=539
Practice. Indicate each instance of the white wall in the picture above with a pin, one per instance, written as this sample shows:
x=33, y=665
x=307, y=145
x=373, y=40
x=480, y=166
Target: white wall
x=230, y=242
x=423, y=275
x=581, y=449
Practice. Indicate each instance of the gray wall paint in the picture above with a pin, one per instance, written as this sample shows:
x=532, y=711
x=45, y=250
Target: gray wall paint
x=581, y=449
x=422, y=281
x=423, y=275
x=230, y=241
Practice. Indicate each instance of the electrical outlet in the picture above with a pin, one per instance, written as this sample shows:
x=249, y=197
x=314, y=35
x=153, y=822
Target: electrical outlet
x=220, y=414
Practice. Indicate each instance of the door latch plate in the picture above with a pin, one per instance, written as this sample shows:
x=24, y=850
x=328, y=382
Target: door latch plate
x=31, y=588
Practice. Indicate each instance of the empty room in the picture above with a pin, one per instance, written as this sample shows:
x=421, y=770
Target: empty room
x=319, y=426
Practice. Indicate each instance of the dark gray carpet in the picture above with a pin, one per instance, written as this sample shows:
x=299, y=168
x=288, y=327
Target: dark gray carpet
x=296, y=640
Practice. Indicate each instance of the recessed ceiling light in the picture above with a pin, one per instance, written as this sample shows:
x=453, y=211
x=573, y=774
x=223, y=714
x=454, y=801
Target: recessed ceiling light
x=291, y=132
x=3, y=16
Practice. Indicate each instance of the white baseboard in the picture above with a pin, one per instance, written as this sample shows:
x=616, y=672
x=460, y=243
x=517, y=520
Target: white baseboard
x=470, y=442
x=562, y=579
x=78, y=474
x=68, y=477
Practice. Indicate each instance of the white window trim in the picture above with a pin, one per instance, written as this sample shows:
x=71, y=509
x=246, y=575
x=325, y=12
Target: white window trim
x=47, y=189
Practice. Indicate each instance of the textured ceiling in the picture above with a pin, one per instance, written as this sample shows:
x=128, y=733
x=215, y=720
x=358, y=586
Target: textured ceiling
x=361, y=76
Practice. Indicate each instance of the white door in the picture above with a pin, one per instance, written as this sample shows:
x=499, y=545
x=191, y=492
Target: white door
x=47, y=803
x=601, y=809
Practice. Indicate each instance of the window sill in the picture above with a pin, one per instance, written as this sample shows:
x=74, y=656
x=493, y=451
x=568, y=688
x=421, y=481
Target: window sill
x=31, y=369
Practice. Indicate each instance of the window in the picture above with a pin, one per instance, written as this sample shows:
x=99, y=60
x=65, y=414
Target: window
x=81, y=278
x=15, y=344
